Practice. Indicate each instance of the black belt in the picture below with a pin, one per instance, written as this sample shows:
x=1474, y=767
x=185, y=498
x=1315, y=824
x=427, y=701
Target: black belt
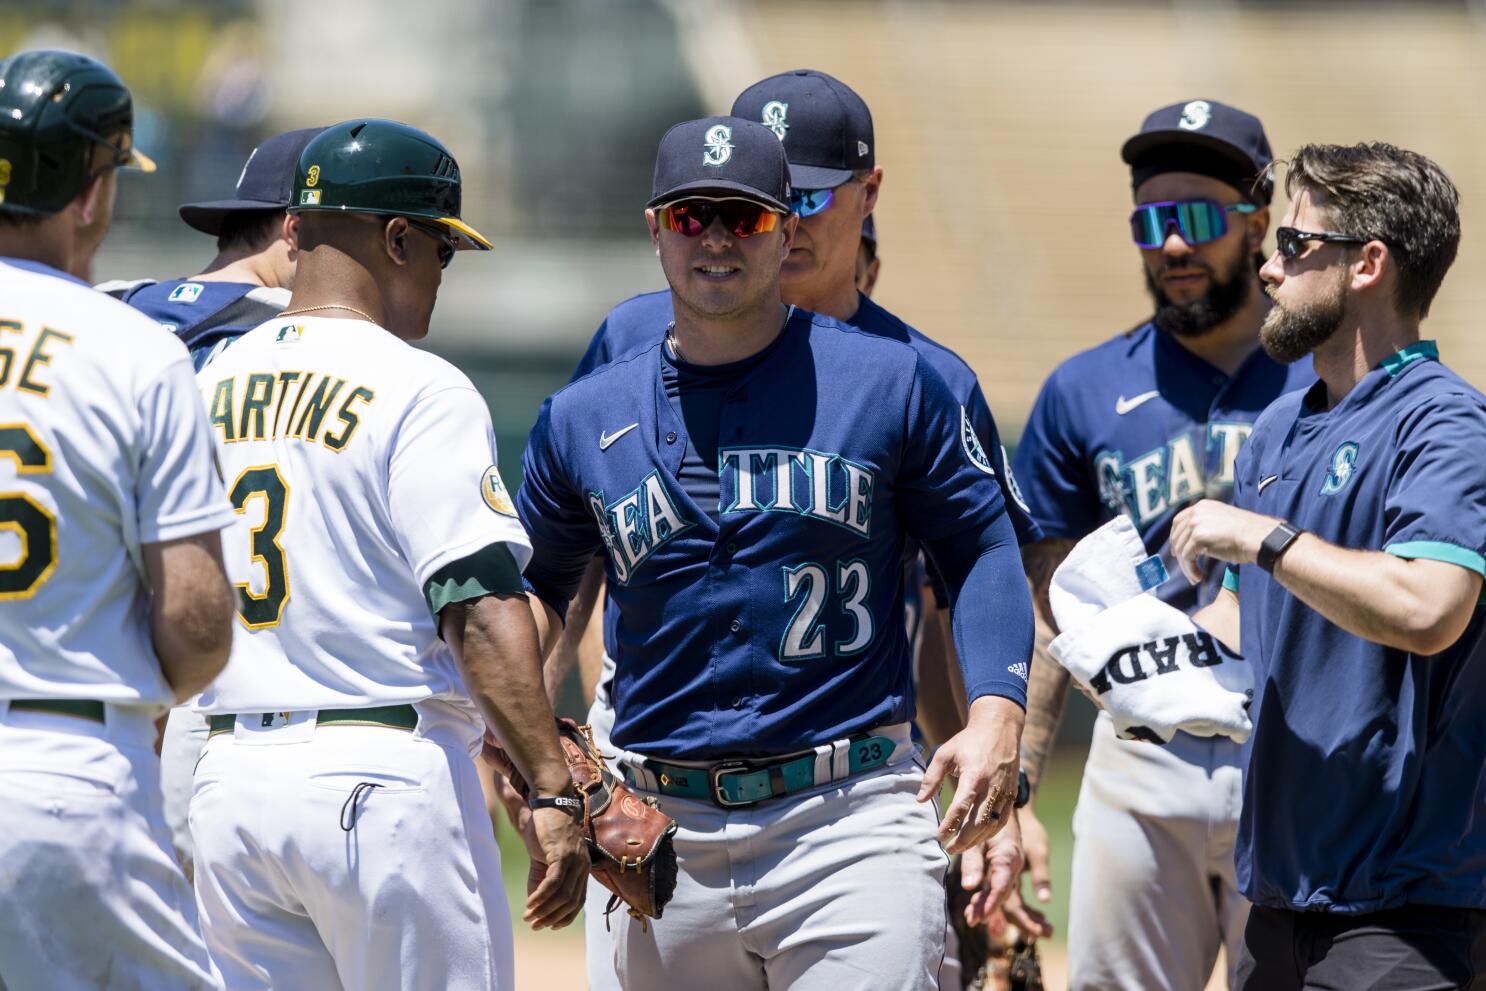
x=80, y=708
x=389, y=716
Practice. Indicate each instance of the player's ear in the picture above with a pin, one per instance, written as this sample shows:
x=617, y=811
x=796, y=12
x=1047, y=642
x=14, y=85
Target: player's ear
x=289, y=233
x=1375, y=265
x=871, y=186
x=395, y=236
x=93, y=197
x=787, y=232
x=653, y=223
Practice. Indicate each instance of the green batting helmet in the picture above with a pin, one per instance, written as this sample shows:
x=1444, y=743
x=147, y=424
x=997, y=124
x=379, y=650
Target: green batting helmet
x=381, y=166
x=63, y=119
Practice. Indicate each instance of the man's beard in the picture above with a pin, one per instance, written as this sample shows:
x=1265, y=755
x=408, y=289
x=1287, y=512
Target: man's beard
x=1289, y=333
x=1224, y=297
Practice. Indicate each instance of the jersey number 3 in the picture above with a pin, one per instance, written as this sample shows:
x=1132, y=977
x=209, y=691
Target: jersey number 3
x=264, y=609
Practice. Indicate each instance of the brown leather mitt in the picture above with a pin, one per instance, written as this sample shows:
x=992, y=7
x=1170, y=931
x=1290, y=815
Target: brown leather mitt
x=630, y=840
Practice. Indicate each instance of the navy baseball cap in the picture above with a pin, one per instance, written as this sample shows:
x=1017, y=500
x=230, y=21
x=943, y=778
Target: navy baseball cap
x=1206, y=137
x=826, y=129
x=266, y=182
x=721, y=155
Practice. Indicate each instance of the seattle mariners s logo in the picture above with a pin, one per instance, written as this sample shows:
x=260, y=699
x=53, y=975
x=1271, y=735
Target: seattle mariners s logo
x=719, y=145
x=1339, y=473
x=1195, y=116
x=971, y=444
x=773, y=117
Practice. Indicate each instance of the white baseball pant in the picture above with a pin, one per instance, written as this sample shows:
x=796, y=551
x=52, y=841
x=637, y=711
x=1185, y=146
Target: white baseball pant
x=91, y=896
x=1153, y=893
x=355, y=857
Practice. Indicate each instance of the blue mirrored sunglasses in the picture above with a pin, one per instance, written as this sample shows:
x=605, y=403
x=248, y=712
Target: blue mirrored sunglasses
x=809, y=202
x=1197, y=221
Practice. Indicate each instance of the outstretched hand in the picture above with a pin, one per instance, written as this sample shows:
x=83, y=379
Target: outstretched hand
x=982, y=759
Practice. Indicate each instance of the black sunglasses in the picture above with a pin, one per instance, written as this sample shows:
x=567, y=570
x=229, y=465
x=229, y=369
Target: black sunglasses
x=1291, y=241
x=439, y=234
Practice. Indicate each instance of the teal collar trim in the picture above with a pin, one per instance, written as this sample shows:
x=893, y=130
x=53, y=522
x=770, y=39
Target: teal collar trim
x=1418, y=351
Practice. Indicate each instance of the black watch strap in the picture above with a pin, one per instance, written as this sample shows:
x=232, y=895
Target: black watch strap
x=1276, y=543
x=1023, y=789
x=567, y=803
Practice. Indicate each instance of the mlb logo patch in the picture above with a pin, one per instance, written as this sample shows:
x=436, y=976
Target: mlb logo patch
x=309, y=197
x=186, y=292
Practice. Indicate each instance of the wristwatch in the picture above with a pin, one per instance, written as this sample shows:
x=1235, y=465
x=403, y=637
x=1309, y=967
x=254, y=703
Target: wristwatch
x=1023, y=789
x=567, y=803
x=1276, y=543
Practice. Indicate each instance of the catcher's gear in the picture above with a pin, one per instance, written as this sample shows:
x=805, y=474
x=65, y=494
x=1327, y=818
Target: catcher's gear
x=64, y=118
x=630, y=840
x=381, y=166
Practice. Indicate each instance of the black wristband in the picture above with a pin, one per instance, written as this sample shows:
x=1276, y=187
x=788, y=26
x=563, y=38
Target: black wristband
x=1276, y=543
x=567, y=803
x=1023, y=789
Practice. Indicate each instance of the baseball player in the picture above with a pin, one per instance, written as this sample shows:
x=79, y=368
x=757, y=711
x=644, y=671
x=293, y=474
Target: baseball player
x=1356, y=546
x=827, y=133
x=249, y=280
x=113, y=598
x=1143, y=424
x=752, y=478
x=340, y=835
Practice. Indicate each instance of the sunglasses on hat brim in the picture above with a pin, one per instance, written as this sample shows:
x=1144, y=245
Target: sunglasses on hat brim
x=1197, y=221
x=740, y=217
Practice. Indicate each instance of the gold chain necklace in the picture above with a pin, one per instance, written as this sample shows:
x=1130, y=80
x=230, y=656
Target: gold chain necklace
x=330, y=306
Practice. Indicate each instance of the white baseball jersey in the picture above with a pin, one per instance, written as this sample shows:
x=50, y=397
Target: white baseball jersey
x=103, y=448
x=359, y=466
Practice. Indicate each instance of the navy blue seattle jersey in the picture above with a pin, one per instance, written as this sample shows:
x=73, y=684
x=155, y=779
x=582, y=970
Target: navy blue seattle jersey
x=1140, y=425
x=771, y=620
x=1365, y=787
x=206, y=316
x=636, y=324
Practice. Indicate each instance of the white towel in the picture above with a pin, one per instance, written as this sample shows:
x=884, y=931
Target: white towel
x=1146, y=663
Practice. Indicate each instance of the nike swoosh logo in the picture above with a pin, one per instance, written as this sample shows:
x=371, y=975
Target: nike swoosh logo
x=606, y=438
x=1123, y=405
x=1265, y=481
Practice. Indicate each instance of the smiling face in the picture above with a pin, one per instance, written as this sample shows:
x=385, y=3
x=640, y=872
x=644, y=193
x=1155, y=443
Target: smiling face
x=1198, y=287
x=718, y=274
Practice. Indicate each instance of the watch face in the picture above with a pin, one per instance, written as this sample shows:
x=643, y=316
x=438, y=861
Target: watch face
x=1023, y=789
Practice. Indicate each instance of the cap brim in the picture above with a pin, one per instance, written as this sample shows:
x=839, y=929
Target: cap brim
x=208, y=217
x=1143, y=144
x=140, y=161
x=737, y=189
x=817, y=176
x=470, y=239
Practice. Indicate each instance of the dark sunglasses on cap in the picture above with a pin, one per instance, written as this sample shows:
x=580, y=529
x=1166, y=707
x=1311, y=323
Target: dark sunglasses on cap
x=742, y=218
x=439, y=234
x=1291, y=241
x=1197, y=221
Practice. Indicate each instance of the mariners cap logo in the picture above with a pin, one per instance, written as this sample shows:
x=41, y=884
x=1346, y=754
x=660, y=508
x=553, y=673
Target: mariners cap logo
x=493, y=491
x=773, y=117
x=971, y=444
x=1340, y=471
x=719, y=140
x=1195, y=116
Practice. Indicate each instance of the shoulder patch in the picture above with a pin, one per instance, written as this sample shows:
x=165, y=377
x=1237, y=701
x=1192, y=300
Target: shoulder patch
x=972, y=447
x=493, y=490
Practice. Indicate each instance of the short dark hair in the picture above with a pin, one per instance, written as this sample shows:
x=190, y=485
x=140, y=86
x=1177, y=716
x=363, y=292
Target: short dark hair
x=1396, y=196
x=255, y=229
x=14, y=219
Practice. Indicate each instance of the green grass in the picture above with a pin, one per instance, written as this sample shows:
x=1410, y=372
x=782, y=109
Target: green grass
x=1055, y=802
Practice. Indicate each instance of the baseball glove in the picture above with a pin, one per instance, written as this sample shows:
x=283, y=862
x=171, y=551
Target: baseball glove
x=630, y=840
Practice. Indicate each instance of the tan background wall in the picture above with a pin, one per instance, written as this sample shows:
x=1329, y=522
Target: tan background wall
x=1003, y=214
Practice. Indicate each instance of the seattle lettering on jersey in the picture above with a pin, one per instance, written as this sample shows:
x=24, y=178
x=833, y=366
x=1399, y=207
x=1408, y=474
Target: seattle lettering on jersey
x=794, y=480
x=1158, y=481
x=257, y=406
x=635, y=526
